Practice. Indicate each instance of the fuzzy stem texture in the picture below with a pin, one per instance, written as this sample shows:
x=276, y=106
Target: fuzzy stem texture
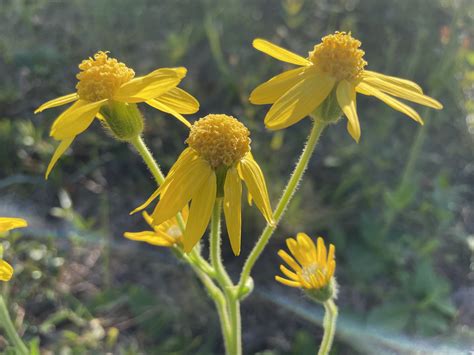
x=285, y=199
x=12, y=335
x=329, y=323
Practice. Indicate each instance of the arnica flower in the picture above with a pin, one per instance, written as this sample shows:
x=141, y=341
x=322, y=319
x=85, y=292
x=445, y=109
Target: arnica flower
x=107, y=89
x=166, y=234
x=313, y=266
x=6, y=224
x=335, y=71
x=217, y=159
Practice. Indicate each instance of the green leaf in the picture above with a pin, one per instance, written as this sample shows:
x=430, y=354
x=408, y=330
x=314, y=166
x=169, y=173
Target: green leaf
x=392, y=316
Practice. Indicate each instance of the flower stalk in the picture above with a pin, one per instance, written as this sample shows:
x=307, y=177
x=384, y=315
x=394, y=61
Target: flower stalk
x=297, y=175
x=329, y=323
x=8, y=326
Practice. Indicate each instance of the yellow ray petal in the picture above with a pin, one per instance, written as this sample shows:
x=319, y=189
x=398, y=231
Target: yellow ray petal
x=150, y=86
x=273, y=89
x=62, y=147
x=59, y=101
x=9, y=223
x=346, y=97
x=322, y=252
x=255, y=182
x=407, y=84
x=180, y=101
x=184, y=158
x=393, y=103
x=233, y=207
x=299, y=101
x=75, y=119
x=288, y=273
x=6, y=271
x=162, y=107
x=289, y=260
x=287, y=282
x=402, y=92
x=183, y=186
x=279, y=53
x=200, y=213
x=148, y=237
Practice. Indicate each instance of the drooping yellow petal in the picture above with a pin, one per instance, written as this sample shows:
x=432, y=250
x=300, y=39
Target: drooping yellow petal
x=9, y=223
x=75, y=119
x=287, y=282
x=402, y=92
x=200, y=212
x=184, y=158
x=346, y=97
x=273, y=89
x=150, y=86
x=407, y=84
x=299, y=101
x=180, y=101
x=393, y=103
x=149, y=237
x=162, y=107
x=279, y=53
x=255, y=182
x=184, y=185
x=6, y=271
x=232, y=208
x=59, y=101
x=62, y=147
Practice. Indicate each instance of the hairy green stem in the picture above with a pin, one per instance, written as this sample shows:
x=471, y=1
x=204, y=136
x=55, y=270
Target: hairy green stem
x=285, y=199
x=233, y=342
x=329, y=323
x=7, y=324
x=215, y=247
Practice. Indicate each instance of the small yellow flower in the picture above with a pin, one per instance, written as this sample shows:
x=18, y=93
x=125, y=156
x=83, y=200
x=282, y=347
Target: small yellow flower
x=314, y=266
x=335, y=66
x=103, y=82
x=217, y=159
x=6, y=224
x=166, y=234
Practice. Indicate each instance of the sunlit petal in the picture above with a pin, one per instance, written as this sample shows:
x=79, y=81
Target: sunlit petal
x=232, y=208
x=279, y=53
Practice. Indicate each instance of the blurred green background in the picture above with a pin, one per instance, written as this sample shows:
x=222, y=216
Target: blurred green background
x=398, y=206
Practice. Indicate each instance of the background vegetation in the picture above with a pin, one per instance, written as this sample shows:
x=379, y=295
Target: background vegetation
x=398, y=206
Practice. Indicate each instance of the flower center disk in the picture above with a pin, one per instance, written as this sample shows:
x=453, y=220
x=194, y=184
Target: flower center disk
x=340, y=56
x=220, y=139
x=101, y=76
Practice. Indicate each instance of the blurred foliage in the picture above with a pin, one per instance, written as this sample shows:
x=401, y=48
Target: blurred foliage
x=398, y=206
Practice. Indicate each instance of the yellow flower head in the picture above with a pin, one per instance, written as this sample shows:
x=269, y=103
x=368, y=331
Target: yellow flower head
x=335, y=66
x=217, y=160
x=167, y=234
x=100, y=77
x=340, y=56
x=6, y=224
x=220, y=139
x=106, y=86
x=313, y=266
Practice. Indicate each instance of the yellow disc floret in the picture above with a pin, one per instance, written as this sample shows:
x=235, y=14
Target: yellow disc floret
x=220, y=139
x=339, y=55
x=101, y=76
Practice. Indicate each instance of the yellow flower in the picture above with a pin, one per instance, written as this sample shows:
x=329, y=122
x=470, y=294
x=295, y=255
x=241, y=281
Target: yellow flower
x=334, y=69
x=166, y=234
x=217, y=159
x=314, y=266
x=104, y=82
x=6, y=224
